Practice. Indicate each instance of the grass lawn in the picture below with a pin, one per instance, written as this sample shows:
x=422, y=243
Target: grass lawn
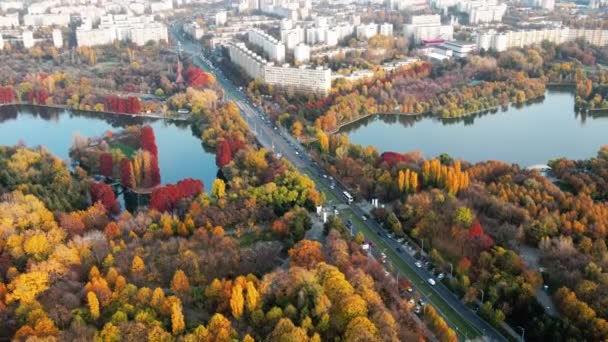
x=128, y=150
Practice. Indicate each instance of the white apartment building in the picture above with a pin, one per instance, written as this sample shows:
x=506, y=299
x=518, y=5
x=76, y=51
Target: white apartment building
x=367, y=31
x=161, y=6
x=300, y=79
x=252, y=63
x=48, y=19
x=301, y=53
x=153, y=32
x=331, y=37
x=400, y=5
x=42, y=7
x=9, y=20
x=57, y=38
x=292, y=37
x=94, y=13
x=519, y=39
x=139, y=30
x=194, y=30
x=386, y=29
x=221, y=18
x=487, y=14
x=272, y=47
x=28, y=39
x=1, y=42
x=10, y=5
x=428, y=27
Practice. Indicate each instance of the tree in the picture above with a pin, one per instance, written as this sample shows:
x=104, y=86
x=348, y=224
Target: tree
x=148, y=140
x=137, y=265
x=361, y=329
x=180, y=283
x=323, y=141
x=252, y=297
x=102, y=192
x=306, y=253
x=127, y=177
x=37, y=246
x=93, y=304
x=177, y=318
x=296, y=129
x=106, y=164
x=27, y=286
x=218, y=190
x=237, y=301
x=223, y=154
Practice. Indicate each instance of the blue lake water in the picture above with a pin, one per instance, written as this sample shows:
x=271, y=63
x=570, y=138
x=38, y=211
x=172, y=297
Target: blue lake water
x=531, y=134
x=180, y=152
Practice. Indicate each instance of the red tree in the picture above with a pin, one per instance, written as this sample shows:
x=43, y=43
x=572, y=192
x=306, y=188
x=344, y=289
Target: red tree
x=196, y=77
x=475, y=230
x=190, y=187
x=392, y=158
x=102, y=192
x=7, y=95
x=154, y=171
x=223, y=154
x=148, y=140
x=165, y=198
x=106, y=164
x=126, y=173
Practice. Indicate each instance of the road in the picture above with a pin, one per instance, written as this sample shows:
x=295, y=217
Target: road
x=467, y=324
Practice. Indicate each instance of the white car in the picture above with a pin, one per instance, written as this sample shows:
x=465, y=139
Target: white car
x=418, y=264
x=432, y=281
x=441, y=276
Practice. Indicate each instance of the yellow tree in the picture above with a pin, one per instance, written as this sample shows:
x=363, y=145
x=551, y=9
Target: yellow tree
x=406, y=180
x=37, y=246
x=252, y=297
x=323, y=141
x=27, y=286
x=177, y=318
x=296, y=128
x=237, y=301
x=401, y=180
x=93, y=304
x=218, y=188
x=137, y=266
x=414, y=181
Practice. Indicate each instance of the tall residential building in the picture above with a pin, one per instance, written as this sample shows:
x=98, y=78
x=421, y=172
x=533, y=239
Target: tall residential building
x=301, y=79
x=57, y=38
x=1, y=42
x=301, y=53
x=221, y=18
x=519, y=39
x=272, y=47
x=28, y=39
x=46, y=19
x=139, y=30
x=367, y=30
x=386, y=29
x=9, y=20
x=427, y=27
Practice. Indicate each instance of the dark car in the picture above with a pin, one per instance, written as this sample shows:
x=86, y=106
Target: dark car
x=399, y=250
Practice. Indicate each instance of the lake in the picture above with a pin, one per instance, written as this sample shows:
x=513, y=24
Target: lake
x=530, y=134
x=180, y=152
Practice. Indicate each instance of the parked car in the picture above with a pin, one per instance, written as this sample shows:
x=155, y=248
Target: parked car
x=432, y=281
x=441, y=276
x=418, y=264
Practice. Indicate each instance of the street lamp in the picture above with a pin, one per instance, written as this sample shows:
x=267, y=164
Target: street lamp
x=523, y=331
x=451, y=269
x=482, y=296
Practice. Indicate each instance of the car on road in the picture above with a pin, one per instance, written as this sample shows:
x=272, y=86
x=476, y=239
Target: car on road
x=364, y=217
x=399, y=250
x=418, y=264
x=432, y=281
x=417, y=310
x=441, y=276
x=332, y=186
x=421, y=302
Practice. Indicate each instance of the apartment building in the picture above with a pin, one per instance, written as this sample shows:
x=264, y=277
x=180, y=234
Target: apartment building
x=57, y=38
x=139, y=30
x=47, y=19
x=386, y=29
x=501, y=41
x=9, y=20
x=367, y=30
x=301, y=53
x=194, y=30
x=271, y=47
x=428, y=27
x=301, y=79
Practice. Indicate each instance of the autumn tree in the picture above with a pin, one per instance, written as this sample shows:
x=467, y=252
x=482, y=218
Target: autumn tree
x=93, y=304
x=306, y=253
x=237, y=301
x=177, y=318
x=180, y=283
x=106, y=164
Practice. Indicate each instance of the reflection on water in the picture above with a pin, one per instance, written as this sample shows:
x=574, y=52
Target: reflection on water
x=527, y=134
x=180, y=151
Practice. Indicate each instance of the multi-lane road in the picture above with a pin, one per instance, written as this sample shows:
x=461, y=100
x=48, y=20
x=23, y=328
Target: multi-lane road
x=461, y=318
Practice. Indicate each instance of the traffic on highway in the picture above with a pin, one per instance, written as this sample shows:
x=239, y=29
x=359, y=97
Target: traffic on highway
x=403, y=256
